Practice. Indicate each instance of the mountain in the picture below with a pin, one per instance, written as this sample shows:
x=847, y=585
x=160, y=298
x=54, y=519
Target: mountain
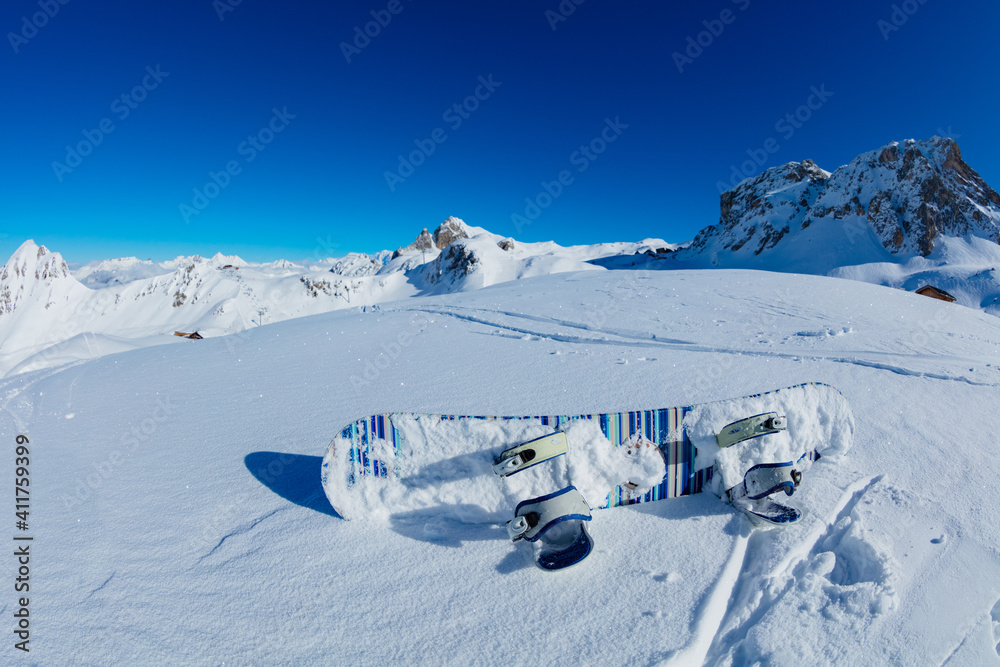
x=906, y=215
x=900, y=215
x=51, y=314
x=33, y=275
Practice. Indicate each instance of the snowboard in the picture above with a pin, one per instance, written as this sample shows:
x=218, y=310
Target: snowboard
x=407, y=464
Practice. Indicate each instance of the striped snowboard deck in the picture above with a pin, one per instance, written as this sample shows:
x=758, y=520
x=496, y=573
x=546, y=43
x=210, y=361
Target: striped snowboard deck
x=662, y=427
x=372, y=467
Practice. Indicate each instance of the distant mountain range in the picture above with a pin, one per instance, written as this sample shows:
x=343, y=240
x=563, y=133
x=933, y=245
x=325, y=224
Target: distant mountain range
x=50, y=313
x=904, y=216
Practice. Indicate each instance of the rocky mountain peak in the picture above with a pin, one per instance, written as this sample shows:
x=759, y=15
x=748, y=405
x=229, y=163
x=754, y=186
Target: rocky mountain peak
x=424, y=241
x=32, y=261
x=905, y=195
x=450, y=231
x=911, y=194
x=32, y=267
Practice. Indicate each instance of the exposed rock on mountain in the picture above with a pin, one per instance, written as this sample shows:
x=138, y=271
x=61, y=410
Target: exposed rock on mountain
x=356, y=264
x=447, y=233
x=455, y=262
x=450, y=231
x=424, y=241
x=903, y=197
x=31, y=272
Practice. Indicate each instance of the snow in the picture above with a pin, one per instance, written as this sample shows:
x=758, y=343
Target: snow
x=44, y=303
x=178, y=515
x=447, y=461
x=901, y=216
x=964, y=267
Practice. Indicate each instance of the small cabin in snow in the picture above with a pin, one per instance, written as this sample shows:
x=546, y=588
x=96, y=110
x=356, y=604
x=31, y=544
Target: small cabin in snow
x=192, y=336
x=935, y=293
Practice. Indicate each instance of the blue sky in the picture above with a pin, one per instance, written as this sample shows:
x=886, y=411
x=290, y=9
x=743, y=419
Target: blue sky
x=275, y=129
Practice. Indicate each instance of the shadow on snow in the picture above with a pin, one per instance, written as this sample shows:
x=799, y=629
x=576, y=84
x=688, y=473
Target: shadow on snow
x=294, y=477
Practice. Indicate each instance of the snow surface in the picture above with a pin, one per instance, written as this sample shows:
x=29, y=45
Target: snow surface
x=966, y=268
x=178, y=516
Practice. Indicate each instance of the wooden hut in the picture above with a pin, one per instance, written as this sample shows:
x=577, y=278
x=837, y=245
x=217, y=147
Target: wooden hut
x=935, y=293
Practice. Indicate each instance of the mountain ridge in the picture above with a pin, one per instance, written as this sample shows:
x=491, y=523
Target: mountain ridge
x=905, y=196
x=44, y=304
x=904, y=215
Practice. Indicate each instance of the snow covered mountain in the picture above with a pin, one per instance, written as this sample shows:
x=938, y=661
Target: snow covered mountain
x=31, y=276
x=903, y=215
x=50, y=314
x=902, y=197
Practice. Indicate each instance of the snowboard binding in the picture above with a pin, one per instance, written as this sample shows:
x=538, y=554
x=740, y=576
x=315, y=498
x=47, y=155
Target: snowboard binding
x=762, y=481
x=751, y=427
x=530, y=454
x=556, y=524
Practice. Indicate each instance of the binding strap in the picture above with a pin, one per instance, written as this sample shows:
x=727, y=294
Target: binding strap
x=767, y=478
x=532, y=518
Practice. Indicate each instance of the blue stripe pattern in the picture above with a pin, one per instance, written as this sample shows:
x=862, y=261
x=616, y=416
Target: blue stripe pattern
x=662, y=427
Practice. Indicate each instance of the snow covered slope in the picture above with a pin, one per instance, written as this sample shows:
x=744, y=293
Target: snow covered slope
x=178, y=517
x=967, y=268
x=43, y=303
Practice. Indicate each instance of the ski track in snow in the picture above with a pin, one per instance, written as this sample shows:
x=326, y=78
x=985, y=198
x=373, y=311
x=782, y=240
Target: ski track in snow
x=781, y=577
x=650, y=340
x=995, y=620
x=634, y=339
x=899, y=370
x=709, y=618
x=22, y=387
